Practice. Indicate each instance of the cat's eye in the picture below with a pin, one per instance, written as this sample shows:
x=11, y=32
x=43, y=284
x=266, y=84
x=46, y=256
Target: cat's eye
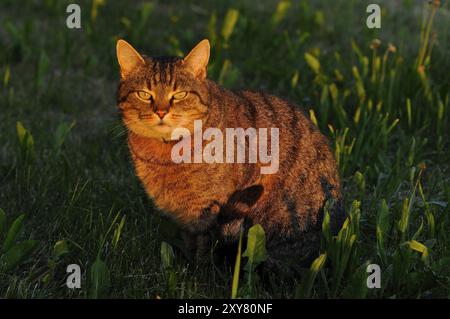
x=180, y=95
x=143, y=95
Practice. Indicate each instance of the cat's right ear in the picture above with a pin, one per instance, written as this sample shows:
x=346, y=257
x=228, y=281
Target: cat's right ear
x=128, y=58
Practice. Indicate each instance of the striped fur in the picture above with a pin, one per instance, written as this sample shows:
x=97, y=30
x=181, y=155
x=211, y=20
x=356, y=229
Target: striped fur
x=212, y=201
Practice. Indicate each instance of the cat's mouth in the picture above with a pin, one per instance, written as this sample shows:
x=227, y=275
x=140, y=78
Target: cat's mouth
x=161, y=122
x=162, y=125
x=162, y=128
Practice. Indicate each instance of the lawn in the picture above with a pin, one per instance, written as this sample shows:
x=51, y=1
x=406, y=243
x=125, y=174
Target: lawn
x=69, y=195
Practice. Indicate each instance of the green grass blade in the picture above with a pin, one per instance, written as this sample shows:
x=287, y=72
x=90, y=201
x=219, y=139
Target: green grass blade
x=237, y=269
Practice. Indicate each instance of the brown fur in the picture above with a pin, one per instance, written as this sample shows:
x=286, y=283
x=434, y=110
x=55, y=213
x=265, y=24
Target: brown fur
x=217, y=199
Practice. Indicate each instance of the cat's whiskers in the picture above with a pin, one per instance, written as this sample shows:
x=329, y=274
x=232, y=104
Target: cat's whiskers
x=199, y=114
x=121, y=131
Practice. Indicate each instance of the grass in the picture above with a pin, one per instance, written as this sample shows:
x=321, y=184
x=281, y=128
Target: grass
x=380, y=95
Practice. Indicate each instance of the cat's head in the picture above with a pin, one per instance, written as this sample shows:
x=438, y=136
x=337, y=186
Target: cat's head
x=158, y=94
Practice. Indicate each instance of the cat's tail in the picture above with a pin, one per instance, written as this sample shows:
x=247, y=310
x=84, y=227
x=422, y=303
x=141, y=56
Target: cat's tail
x=240, y=203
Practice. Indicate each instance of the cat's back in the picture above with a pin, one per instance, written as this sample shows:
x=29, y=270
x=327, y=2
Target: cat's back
x=303, y=149
x=297, y=133
x=269, y=110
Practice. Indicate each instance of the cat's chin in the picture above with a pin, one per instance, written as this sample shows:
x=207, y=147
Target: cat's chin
x=162, y=132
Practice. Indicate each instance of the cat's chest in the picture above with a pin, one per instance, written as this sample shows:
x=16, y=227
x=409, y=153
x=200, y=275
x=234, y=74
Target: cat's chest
x=175, y=187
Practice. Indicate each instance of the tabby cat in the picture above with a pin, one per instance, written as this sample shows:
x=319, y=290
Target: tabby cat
x=211, y=202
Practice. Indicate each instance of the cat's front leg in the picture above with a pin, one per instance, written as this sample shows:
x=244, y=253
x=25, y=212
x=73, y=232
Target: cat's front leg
x=189, y=245
x=197, y=246
x=205, y=219
x=203, y=231
x=204, y=248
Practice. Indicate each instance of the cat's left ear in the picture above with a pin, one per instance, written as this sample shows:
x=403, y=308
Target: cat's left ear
x=196, y=61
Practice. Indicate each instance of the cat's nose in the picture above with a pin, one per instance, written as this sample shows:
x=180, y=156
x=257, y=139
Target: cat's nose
x=161, y=113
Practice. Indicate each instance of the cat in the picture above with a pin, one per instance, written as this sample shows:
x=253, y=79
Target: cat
x=214, y=201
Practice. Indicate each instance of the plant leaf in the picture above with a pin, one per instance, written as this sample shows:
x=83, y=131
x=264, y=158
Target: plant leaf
x=26, y=140
x=60, y=248
x=61, y=133
x=404, y=219
x=280, y=12
x=304, y=291
x=419, y=247
x=13, y=232
x=229, y=23
x=100, y=280
x=326, y=231
x=167, y=255
x=2, y=220
x=312, y=62
x=256, y=247
x=255, y=253
x=382, y=229
x=17, y=254
x=118, y=232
